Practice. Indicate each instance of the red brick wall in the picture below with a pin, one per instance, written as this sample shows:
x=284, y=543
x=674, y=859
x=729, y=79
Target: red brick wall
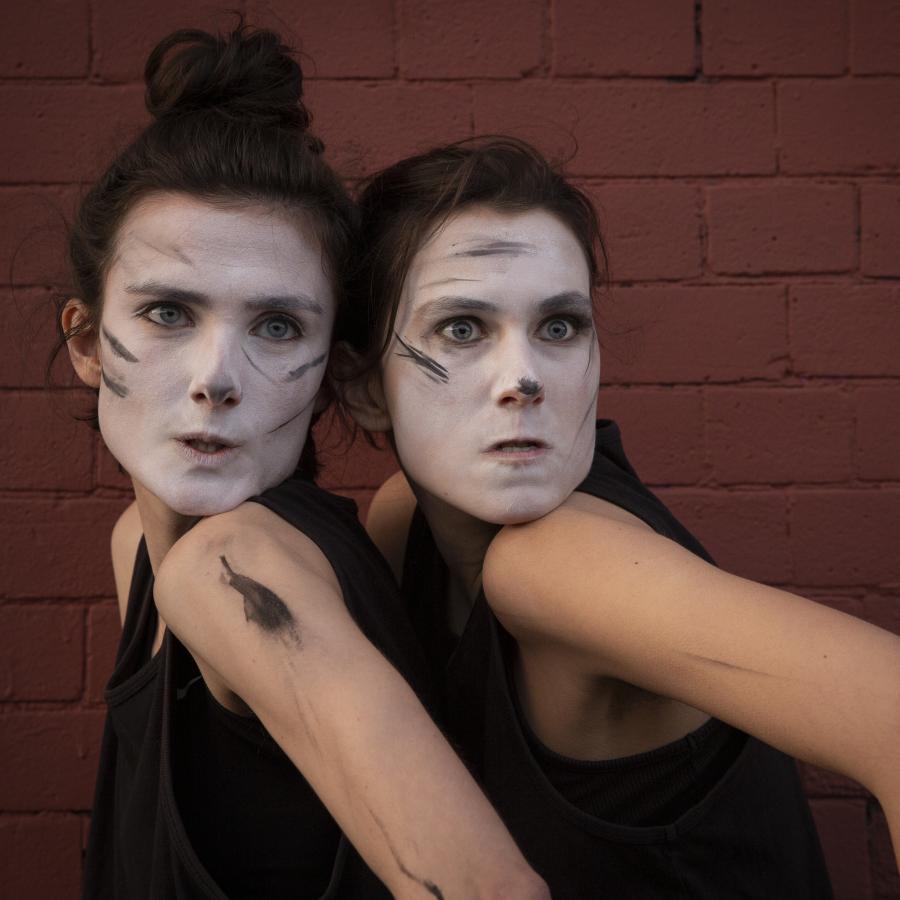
x=745, y=159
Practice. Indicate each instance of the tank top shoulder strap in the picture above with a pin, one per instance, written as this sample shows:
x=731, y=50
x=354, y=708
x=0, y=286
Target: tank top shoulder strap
x=614, y=479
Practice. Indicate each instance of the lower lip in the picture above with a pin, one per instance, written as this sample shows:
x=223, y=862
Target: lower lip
x=523, y=455
x=202, y=458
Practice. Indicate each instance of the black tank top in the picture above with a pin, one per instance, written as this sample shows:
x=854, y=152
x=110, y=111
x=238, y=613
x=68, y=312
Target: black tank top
x=193, y=801
x=747, y=833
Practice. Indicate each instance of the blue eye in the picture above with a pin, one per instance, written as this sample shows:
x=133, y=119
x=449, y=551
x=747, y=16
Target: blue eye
x=169, y=315
x=277, y=328
x=461, y=331
x=558, y=329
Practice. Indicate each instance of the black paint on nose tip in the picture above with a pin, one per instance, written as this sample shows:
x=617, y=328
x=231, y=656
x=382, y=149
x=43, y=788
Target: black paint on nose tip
x=528, y=387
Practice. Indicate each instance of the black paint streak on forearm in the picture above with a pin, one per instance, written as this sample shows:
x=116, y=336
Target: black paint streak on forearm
x=294, y=374
x=528, y=387
x=431, y=367
x=429, y=885
x=262, y=606
x=118, y=347
x=116, y=387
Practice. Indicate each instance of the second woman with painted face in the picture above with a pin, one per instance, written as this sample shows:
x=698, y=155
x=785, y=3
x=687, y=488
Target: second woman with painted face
x=582, y=654
x=266, y=638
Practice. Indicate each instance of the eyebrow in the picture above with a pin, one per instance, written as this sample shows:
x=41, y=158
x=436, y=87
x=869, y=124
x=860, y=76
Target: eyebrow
x=498, y=248
x=286, y=302
x=565, y=301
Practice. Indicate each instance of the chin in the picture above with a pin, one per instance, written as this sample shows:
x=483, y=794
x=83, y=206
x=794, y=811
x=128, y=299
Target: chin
x=517, y=512
x=202, y=503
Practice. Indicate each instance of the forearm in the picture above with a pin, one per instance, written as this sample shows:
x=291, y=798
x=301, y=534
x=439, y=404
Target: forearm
x=270, y=625
x=357, y=732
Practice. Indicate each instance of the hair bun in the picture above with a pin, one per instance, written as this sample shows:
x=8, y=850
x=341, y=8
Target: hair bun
x=245, y=74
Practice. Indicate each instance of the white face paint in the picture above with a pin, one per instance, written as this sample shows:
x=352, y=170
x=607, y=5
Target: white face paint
x=214, y=334
x=491, y=380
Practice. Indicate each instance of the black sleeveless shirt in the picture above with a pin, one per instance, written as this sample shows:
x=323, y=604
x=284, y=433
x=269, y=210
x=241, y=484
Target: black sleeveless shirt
x=717, y=815
x=193, y=801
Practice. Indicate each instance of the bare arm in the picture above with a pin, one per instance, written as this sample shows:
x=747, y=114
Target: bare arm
x=126, y=536
x=624, y=602
x=265, y=620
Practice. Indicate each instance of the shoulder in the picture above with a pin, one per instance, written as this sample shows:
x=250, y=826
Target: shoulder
x=126, y=535
x=251, y=531
x=389, y=519
x=586, y=545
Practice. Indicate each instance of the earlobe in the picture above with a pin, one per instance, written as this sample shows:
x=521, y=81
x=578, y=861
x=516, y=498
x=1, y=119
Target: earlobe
x=361, y=395
x=83, y=346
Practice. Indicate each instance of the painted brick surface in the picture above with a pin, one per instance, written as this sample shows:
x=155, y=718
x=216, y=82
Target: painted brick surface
x=745, y=160
x=464, y=39
x=794, y=37
x=875, y=42
x=623, y=37
x=880, y=227
x=782, y=227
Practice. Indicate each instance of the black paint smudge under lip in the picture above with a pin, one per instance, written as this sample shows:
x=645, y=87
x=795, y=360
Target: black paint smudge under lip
x=262, y=606
x=528, y=387
x=426, y=883
x=294, y=374
x=118, y=347
x=431, y=367
x=118, y=389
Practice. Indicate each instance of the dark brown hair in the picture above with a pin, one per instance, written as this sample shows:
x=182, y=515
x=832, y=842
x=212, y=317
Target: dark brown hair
x=403, y=205
x=229, y=126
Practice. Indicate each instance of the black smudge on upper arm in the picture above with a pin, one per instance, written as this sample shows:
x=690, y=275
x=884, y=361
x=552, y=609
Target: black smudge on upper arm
x=262, y=606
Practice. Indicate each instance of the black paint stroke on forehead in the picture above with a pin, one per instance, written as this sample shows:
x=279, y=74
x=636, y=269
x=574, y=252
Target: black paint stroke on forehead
x=529, y=387
x=426, y=883
x=498, y=248
x=263, y=606
x=431, y=367
x=116, y=387
x=118, y=347
x=294, y=374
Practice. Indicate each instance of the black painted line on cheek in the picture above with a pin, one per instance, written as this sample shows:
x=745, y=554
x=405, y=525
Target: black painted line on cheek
x=118, y=347
x=117, y=388
x=528, y=387
x=294, y=374
x=255, y=366
x=262, y=606
x=426, y=883
x=291, y=419
x=431, y=367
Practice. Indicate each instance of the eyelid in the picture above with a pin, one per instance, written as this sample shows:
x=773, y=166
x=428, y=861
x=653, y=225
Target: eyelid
x=268, y=317
x=143, y=312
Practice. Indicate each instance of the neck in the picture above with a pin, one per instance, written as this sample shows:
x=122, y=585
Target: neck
x=462, y=540
x=162, y=526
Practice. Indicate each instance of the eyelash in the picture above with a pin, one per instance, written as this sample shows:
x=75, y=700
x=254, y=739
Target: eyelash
x=579, y=324
x=145, y=312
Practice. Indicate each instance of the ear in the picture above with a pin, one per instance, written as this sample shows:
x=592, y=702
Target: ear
x=83, y=346
x=363, y=395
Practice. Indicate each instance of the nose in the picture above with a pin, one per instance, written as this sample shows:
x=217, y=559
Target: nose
x=526, y=391
x=215, y=380
x=519, y=384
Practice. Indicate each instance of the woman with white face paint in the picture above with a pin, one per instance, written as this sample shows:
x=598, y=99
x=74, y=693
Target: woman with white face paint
x=590, y=658
x=266, y=637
